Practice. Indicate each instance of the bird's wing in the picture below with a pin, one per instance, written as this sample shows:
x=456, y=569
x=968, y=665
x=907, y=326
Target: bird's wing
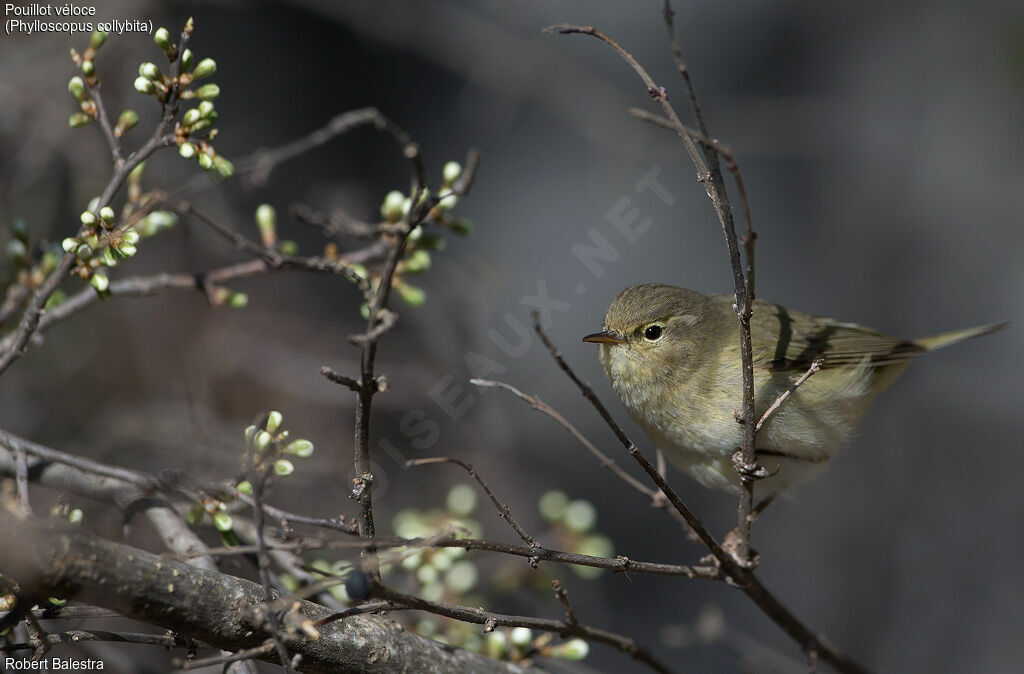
x=791, y=340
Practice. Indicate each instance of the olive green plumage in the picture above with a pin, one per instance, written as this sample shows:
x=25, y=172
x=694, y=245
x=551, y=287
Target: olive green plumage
x=673, y=357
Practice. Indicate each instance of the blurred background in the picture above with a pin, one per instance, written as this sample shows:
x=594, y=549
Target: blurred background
x=882, y=150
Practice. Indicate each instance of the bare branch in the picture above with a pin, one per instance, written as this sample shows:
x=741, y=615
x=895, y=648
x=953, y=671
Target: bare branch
x=815, y=366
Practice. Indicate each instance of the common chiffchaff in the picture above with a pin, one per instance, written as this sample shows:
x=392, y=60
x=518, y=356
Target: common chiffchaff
x=673, y=357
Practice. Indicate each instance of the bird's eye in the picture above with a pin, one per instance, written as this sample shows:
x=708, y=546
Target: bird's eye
x=652, y=332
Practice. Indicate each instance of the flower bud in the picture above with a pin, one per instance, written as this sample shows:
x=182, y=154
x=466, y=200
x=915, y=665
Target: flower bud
x=109, y=257
x=451, y=172
x=97, y=39
x=130, y=236
x=77, y=88
x=145, y=86
x=266, y=221
x=75, y=516
x=283, y=467
x=204, y=68
x=417, y=262
x=126, y=121
x=573, y=649
x=88, y=68
x=187, y=150
x=274, y=421
x=224, y=167
x=162, y=37
x=107, y=216
x=69, y=244
x=187, y=59
x=300, y=448
x=150, y=72
x=205, y=109
x=88, y=218
x=461, y=226
x=411, y=295
x=223, y=521
x=16, y=250
x=391, y=208
x=206, y=161
x=262, y=441
x=127, y=249
x=521, y=636
x=78, y=119
x=99, y=282
x=208, y=92
x=84, y=251
x=190, y=117
x=244, y=487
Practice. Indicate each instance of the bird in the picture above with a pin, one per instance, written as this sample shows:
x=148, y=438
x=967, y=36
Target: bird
x=672, y=356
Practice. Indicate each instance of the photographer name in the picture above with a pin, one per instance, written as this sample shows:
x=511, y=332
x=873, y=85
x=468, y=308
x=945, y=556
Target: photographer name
x=51, y=664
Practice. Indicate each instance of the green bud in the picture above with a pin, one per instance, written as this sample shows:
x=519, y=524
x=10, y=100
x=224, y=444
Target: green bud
x=130, y=236
x=360, y=271
x=521, y=636
x=190, y=117
x=208, y=92
x=75, y=516
x=462, y=577
x=417, y=262
x=78, y=119
x=97, y=39
x=552, y=505
x=432, y=242
x=573, y=649
x=127, y=250
x=391, y=208
x=69, y=244
x=364, y=311
x=77, y=88
x=447, y=201
x=300, y=448
x=205, y=68
x=162, y=37
x=580, y=516
x=93, y=204
x=250, y=434
x=107, y=216
x=205, y=109
x=88, y=68
x=238, y=300
x=274, y=421
x=187, y=150
x=461, y=500
x=187, y=59
x=110, y=257
x=84, y=251
x=126, y=121
x=99, y=282
x=244, y=487
x=206, y=161
x=289, y=247
x=150, y=71
x=223, y=521
x=57, y=602
x=145, y=86
x=411, y=295
x=49, y=261
x=283, y=467
x=451, y=172
x=16, y=250
x=596, y=545
x=224, y=167
x=266, y=221
x=461, y=226
x=194, y=515
x=262, y=441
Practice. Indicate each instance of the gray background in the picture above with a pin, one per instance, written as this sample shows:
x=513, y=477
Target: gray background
x=881, y=145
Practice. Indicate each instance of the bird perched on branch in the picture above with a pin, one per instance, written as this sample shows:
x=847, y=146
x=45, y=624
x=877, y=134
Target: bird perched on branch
x=673, y=357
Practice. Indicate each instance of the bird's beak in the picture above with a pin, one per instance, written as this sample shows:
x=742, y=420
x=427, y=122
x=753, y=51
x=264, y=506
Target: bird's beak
x=604, y=337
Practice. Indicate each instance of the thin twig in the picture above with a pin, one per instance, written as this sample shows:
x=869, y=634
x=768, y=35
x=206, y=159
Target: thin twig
x=503, y=510
x=339, y=378
x=815, y=366
x=563, y=596
x=491, y=620
x=263, y=649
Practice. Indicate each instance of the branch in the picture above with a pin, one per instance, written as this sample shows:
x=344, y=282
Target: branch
x=491, y=620
x=815, y=366
x=212, y=607
x=503, y=510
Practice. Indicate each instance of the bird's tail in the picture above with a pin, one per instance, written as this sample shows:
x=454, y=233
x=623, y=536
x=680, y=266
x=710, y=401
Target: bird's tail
x=947, y=338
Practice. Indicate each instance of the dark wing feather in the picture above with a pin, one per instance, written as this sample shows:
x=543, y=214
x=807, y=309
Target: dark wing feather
x=799, y=339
